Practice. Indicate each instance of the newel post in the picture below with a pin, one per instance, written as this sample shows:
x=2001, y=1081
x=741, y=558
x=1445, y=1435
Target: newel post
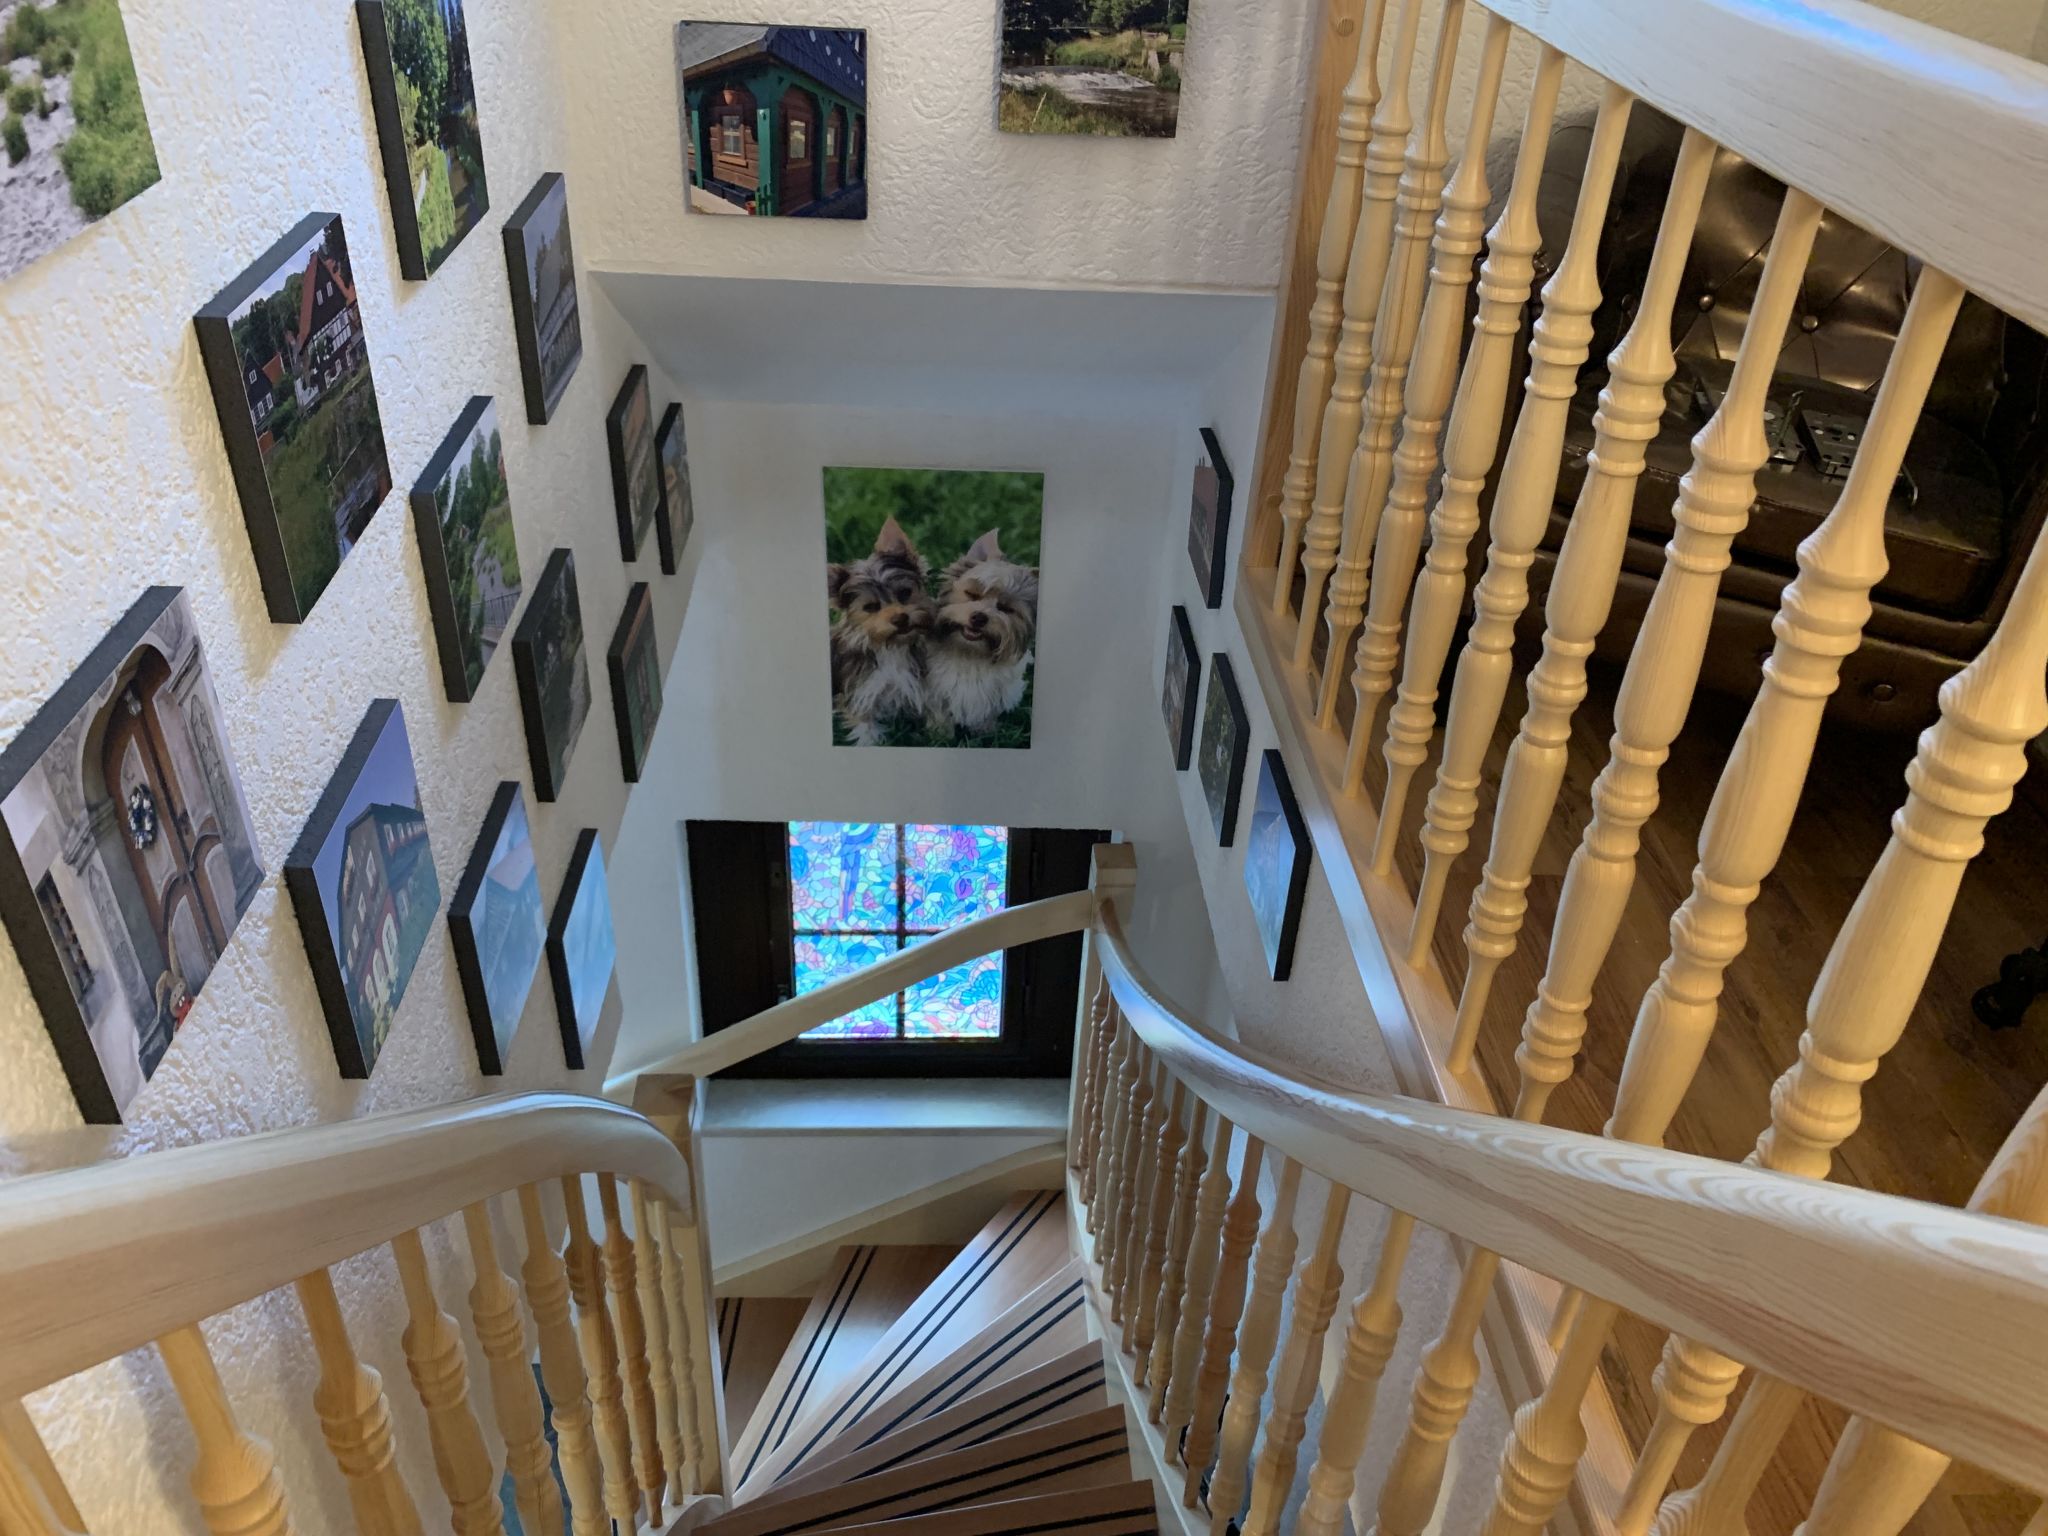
x=1112, y=877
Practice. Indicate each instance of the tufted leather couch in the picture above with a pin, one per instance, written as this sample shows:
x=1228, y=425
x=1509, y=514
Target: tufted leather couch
x=1972, y=496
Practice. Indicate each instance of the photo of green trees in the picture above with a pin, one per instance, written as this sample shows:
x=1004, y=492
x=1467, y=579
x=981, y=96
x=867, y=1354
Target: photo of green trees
x=1108, y=67
x=425, y=92
x=462, y=510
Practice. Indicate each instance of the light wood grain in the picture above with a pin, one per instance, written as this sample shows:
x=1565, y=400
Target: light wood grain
x=1124, y=1509
x=598, y=1346
x=1173, y=1393
x=546, y=1283
x=1154, y=1369
x=234, y=1478
x=629, y=1327
x=515, y=1399
x=1316, y=1290
x=32, y=1492
x=1257, y=1337
x=438, y=1364
x=355, y=1417
x=649, y=1264
x=1226, y=1309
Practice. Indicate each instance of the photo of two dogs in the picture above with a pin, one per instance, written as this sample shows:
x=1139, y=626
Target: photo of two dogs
x=933, y=630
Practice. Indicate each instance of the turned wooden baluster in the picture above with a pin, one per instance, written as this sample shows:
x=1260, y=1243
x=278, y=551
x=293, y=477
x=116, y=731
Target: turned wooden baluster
x=1226, y=1306
x=1154, y=1369
x=1088, y=1124
x=600, y=1362
x=33, y=1498
x=1141, y=1129
x=1258, y=1333
x=1316, y=1290
x=629, y=1322
x=700, y=1311
x=1433, y=373
x=1115, y=1122
x=661, y=1375
x=439, y=1367
x=355, y=1417
x=1419, y=197
x=1470, y=445
x=1173, y=1392
x=1364, y=277
x=1141, y=1302
x=235, y=1476
x=494, y=1309
x=1326, y=311
x=1558, y=344
x=684, y=1469
x=561, y=1367
x=1347, y=1418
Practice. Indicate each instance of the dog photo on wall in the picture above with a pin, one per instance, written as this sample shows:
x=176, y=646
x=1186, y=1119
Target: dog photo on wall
x=931, y=587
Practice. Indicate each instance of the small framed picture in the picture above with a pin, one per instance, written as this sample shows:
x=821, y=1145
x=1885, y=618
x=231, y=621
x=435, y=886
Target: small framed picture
x=1209, y=520
x=462, y=512
x=553, y=672
x=363, y=885
x=775, y=119
x=636, y=473
x=1276, y=854
x=581, y=948
x=1226, y=740
x=545, y=321
x=498, y=924
x=1183, y=685
x=678, y=510
x=424, y=94
x=634, y=662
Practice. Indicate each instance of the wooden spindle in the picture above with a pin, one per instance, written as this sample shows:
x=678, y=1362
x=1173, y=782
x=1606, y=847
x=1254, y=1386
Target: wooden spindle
x=1155, y=1370
x=1226, y=1307
x=1139, y=1131
x=494, y=1310
x=1347, y=1419
x=33, y=1497
x=1558, y=344
x=1444, y=1382
x=546, y=1282
x=435, y=1358
x=1088, y=1120
x=1470, y=445
x=1419, y=196
x=355, y=1417
x=1326, y=310
x=629, y=1322
x=1548, y=1436
x=600, y=1362
x=1115, y=1108
x=1433, y=374
x=1364, y=278
x=700, y=1313
x=235, y=1477
x=1316, y=1290
x=1142, y=1300
x=1173, y=1394
x=1144, y=1187
x=661, y=1373
x=1258, y=1333
x=684, y=1472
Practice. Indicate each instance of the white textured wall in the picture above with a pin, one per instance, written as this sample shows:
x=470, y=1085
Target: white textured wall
x=113, y=477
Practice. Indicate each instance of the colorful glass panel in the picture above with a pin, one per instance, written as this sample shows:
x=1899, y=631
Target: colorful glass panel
x=965, y=1003
x=825, y=957
x=842, y=877
x=953, y=875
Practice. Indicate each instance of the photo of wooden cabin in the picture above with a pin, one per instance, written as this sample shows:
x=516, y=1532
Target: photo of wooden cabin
x=775, y=119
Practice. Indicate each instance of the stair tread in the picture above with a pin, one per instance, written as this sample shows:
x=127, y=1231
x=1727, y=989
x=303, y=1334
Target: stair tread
x=856, y=1306
x=753, y=1332
x=1121, y=1509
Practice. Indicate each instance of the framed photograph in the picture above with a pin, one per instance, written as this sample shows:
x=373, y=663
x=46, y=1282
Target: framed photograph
x=1226, y=740
x=634, y=662
x=78, y=142
x=931, y=593
x=545, y=320
x=581, y=948
x=363, y=885
x=554, y=674
x=498, y=924
x=678, y=511
x=129, y=856
x=636, y=472
x=775, y=119
x=424, y=94
x=289, y=365
x=462, y=511
x=1209, y=520
x=1276, y=854
x=1072, y=66
x=1183, y=683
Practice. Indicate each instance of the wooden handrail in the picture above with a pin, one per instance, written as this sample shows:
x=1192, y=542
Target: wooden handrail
x=193, y=1231
x=1827, y=1286
x=725, y=1048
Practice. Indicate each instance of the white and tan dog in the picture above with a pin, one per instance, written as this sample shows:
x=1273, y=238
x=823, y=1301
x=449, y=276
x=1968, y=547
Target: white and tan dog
x=982, y=639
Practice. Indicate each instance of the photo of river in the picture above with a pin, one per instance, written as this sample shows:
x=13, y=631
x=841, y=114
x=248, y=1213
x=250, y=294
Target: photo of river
x=1105, y=67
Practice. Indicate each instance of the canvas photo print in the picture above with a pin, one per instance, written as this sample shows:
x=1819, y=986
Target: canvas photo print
x=1209, y=520
x=362, y=882
x=541, y=264
x=553, y=672
x=678, y=510
x=581, y=948
x=498, y=924
x=129, y=855
x=74, y=134
x=462, y=512
x=634, y=663
x=424, y=94
x=1276, y=854
x=1183, y=682
x=1226, y=740
x=775, y=119
x=1092, y=66
x=931, y=589
x=289, y=365
x=636, y=472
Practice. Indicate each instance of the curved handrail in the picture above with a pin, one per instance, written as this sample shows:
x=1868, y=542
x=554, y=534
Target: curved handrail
x=1931, y=1320
x=1034, y=920
x=196, y=1230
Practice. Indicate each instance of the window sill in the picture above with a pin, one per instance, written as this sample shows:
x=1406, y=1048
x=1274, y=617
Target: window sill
x=1002, y=1106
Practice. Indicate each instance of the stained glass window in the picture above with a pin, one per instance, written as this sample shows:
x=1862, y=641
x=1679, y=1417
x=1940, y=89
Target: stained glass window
x=860, y=891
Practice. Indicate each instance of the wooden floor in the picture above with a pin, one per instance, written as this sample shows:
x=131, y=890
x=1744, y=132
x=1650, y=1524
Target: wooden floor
x=1938, y=1108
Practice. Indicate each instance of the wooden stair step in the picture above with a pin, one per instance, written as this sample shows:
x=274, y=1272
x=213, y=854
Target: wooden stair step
x=1020, y=1247
x=753, y=1332
x=1123, y=1509
x=1066, y=1456
x=858, y=1304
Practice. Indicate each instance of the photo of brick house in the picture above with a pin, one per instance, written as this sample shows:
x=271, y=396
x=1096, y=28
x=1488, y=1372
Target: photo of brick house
x=775, y=119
